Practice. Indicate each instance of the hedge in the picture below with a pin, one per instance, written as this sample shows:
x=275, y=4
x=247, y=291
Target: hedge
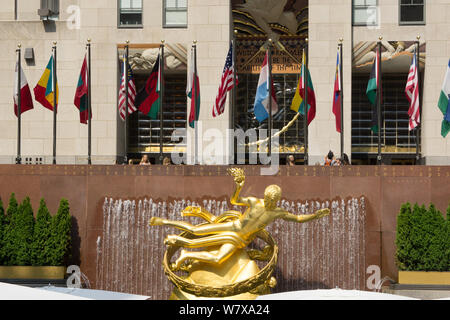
x=423, y=239
x=40, y=241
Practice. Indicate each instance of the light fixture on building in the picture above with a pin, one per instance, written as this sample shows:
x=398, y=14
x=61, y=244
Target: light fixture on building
x=29, y=55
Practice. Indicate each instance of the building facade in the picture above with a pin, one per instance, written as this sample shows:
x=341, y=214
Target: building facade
x=144, y=23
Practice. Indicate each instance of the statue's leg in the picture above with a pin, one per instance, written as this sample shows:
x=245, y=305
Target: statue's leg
x=209, y=241
x=225, y=251
x=185, y=226
x=197, y=230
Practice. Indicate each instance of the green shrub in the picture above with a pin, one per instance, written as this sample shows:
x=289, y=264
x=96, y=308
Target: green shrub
x=8, y=245
x=61, y=226
x=422, y=239
x=403, y=230
x=25, y=241
x=24, y=233
x=41, y=247
x=2, y=226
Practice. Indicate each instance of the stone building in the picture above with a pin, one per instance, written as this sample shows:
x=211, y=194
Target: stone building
x=144, y=23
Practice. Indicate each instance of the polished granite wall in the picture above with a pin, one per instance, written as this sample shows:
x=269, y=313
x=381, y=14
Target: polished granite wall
x=384, y=189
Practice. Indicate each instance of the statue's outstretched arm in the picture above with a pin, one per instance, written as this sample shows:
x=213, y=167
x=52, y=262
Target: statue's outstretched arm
x=238, y=200
x=305, y=218
x=239, y=179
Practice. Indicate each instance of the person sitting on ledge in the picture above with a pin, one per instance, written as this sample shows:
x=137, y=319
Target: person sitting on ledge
x=290, y=161
x=145, y=161
x=329, y=159
x=166, y=161
x=345, y=160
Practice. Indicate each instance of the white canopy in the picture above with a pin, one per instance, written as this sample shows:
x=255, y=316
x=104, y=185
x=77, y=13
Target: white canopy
x=15, y=292
x=332, y=294
x=95, y=294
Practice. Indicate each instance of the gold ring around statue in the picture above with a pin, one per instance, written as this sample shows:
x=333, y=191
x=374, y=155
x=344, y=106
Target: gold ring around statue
x=248, y=285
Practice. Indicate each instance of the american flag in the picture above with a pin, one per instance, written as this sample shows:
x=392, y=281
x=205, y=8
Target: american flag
x=226, y=84
x=412, y=93
x=131, y=91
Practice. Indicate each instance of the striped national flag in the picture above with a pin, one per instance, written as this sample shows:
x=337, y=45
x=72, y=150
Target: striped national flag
x=412, y=93
x=226, y=84
x=337, y=96
x=131, y=91
x=261, y=105
x=374, y=91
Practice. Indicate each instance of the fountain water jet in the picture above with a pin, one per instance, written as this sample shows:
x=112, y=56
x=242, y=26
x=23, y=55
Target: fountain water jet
x=326, y=253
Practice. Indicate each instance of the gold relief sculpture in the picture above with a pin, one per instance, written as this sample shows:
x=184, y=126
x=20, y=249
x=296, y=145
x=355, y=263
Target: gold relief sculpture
x=224, y=267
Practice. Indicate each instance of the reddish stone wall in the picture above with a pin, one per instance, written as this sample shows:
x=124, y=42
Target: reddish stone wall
x=385, y=188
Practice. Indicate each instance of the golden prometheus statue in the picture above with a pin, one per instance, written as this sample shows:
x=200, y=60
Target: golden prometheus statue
x=226, y=268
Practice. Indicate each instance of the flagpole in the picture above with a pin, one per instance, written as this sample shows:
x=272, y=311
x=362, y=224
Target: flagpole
x=341, y=93
x=419, y=126
x=379, y=101
x=269, y=85
x=19, y=105
x=125, y=158
x=194, y=52
x=234, y=93
x=161, y=110
x=89, y=102
x=55, y=95
x=305, y=87
x=233, y=104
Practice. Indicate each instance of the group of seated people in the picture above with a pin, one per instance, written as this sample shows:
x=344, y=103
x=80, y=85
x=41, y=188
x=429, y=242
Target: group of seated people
x=330, y=160
x=145, y=161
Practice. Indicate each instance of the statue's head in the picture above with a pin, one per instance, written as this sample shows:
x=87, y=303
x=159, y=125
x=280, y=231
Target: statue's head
x=272, y=195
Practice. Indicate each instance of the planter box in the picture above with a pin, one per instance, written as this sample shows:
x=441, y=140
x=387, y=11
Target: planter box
x=423, y=277
x=16, y=272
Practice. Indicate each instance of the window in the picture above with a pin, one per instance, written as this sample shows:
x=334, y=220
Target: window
x=365, y=12
x=175, y=13
x=397, y=142
x=144, y=133
x=412, y=11
x=285, y=75
x=130, y=13
x=49, y=9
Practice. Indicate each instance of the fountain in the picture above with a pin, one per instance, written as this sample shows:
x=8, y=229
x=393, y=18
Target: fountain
x=326, y=253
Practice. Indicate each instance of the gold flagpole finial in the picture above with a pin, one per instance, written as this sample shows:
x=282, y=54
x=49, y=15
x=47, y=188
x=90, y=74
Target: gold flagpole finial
x=89, y=40
x=54, y=43
x=418, y=38
x=380, y=38
x=163, y=42
x=19, y=46
x=194, y=42
x=341, y=40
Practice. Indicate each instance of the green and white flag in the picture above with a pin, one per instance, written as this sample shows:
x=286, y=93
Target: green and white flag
x=373, y=92
x=444, y=103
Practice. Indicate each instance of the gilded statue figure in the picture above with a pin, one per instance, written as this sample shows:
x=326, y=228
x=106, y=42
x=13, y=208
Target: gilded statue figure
x=224, y=236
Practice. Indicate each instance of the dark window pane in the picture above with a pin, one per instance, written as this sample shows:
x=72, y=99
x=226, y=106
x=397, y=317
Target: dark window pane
x=130, y=19
x=395, y=136
x=412, y=13
x=130, y=12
